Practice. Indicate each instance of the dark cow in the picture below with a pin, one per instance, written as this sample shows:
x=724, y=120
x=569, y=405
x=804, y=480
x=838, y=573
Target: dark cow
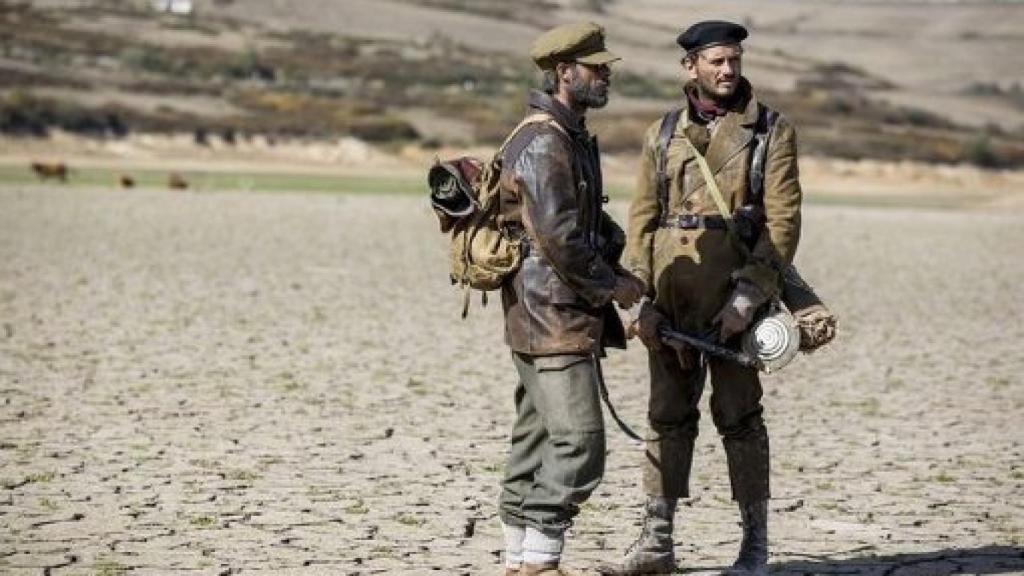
x=47, y=170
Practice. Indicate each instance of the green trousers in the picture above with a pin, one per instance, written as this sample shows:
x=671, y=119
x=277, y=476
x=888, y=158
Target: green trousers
x=557, y=454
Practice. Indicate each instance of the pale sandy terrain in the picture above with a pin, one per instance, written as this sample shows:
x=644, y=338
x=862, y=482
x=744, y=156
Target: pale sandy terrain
x=219, y=383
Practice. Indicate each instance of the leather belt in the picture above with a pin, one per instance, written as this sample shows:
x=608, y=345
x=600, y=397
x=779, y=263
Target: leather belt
x=693, y=222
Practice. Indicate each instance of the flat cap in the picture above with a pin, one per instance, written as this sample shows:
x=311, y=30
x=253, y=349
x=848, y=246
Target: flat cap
x=579, y=42
x=711, y=33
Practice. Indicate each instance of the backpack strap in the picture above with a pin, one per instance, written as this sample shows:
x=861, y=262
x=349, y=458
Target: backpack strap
x=513, y=146
x=535, y=118
x=661, y=177
x=766, y=118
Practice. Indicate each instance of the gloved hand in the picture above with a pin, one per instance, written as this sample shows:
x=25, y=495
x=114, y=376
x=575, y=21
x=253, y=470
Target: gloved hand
x=739, y=310
x=646, y=325
x=628, y=289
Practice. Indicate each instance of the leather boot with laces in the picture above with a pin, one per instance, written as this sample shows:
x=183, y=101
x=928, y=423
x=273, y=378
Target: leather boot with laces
x=652, y=552
x=753, y=556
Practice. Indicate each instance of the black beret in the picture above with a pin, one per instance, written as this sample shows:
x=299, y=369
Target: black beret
x=711, y=33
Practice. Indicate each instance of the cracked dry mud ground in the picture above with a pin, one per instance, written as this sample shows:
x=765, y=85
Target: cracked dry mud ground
x=280, y=384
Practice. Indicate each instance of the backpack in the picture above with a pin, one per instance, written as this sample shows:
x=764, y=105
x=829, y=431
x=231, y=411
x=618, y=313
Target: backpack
x=464, y=193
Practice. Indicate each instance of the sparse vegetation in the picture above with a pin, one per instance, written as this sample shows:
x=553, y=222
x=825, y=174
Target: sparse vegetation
x=202, y=520
x=357, y=508
x=410, y=520
x=313, y=85
x=981, y=152
x=109, y=568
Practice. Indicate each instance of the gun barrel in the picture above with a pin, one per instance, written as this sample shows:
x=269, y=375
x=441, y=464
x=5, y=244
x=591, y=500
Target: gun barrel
x=677, y=339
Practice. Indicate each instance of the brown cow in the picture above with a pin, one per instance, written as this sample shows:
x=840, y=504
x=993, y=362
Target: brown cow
x=176, y=181
x=126, y=181
x=47, y=170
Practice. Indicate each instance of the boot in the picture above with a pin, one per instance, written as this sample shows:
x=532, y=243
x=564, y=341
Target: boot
x=652, y=551
x=753, y=556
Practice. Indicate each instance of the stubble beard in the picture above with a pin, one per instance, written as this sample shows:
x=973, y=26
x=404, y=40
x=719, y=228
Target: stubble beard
x=708, y=90
x=588, y=94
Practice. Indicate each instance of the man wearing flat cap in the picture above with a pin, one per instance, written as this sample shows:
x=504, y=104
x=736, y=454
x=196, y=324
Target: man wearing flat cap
x=715, y=217
x=558, y=306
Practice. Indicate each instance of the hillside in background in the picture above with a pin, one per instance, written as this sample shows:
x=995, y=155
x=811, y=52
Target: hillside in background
x=892, y=81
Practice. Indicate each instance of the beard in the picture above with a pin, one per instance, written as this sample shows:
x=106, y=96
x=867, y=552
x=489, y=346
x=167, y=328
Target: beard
x=588, y=94
x=710, y=90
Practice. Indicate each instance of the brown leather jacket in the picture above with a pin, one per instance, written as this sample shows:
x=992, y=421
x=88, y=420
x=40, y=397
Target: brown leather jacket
x=559, y=301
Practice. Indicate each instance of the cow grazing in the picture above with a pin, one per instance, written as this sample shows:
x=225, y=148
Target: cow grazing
x=126, y=181
x=47, y=170
x=176, y=181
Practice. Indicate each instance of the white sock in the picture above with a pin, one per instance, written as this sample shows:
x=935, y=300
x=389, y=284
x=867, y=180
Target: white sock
x=541, y=549
x=514, y=536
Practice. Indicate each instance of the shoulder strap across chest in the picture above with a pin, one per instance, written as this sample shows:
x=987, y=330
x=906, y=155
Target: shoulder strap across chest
x=520, y=144
x=661, y=177
x=766, y=119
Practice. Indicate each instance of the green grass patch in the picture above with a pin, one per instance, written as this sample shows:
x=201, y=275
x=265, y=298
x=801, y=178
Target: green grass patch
x=242, y=475
x=940, y=201
x=47, y=476
x=410, y=520
x=357, y=508
x=109, y=568
x=409, y=184
x=203, y=521
x=217, y=181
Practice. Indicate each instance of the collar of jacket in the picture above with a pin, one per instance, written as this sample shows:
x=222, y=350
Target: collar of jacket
x=734, y=131
x=566, y=118
x=745, y=103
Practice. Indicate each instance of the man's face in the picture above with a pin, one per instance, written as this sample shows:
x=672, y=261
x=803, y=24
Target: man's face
x=716, y=70
x=589, y=84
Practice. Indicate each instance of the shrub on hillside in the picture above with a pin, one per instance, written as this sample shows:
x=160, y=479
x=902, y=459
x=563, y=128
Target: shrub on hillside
x=980, y=152
x=382, y=129
x=24, y=114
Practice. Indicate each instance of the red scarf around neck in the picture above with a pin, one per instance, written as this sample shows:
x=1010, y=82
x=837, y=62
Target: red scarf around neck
x=705, y=109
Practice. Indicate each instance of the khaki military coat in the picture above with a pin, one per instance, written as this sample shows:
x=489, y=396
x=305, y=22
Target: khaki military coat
x=691, y=272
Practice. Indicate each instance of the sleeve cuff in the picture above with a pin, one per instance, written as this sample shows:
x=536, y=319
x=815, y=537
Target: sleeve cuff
x=765, y=278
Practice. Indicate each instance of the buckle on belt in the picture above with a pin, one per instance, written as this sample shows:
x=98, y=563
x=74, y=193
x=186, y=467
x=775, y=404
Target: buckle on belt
x=684, y=221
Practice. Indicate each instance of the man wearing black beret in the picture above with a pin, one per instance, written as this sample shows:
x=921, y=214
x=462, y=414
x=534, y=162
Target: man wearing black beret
x=715, y=217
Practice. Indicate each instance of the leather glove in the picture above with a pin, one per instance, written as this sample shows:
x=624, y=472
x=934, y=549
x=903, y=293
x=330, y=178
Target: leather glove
x=628, y=289
x=646, y=325
x=738, y=312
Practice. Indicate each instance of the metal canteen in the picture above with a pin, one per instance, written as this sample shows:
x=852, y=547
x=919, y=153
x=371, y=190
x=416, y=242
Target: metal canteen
x=774, y=339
